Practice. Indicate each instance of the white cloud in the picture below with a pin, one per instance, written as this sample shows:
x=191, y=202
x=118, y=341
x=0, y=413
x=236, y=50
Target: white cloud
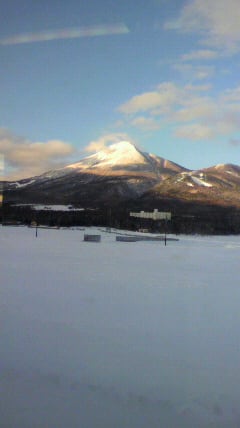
x=200, y=54
x=164, y=96
x=195, y=132
x=195, y=109
x=25, y=158
x=198, y=88
x=194, y=113
x=231, y=95
x=168, y=97
x=105, y=140
x=144, y=102
x=194, y=72
x=145, y=123
x=216, y=21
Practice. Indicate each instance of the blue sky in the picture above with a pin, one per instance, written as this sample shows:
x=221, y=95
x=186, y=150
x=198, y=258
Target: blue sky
x=78, y=75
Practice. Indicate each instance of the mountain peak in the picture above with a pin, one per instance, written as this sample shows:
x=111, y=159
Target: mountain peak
x=122, y=145
x=123, y=158
x=122, y=153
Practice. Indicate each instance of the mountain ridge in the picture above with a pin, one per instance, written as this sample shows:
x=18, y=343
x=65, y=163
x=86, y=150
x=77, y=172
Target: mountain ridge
x=121, y=172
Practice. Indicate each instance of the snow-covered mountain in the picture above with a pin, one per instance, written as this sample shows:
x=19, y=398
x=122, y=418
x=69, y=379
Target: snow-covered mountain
x=218, y=185
x=119, y=155
x=122, y=172
x=124, y=156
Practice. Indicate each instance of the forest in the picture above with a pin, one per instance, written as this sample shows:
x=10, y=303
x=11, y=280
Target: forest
x=185, y=218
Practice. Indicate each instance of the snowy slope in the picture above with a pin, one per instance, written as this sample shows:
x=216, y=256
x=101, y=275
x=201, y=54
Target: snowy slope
x=123, y=153
x=131, y=335
x=218, y=185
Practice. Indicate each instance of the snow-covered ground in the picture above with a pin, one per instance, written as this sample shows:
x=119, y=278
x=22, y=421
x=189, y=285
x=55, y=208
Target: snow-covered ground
x=114, y=334
x=41, y=207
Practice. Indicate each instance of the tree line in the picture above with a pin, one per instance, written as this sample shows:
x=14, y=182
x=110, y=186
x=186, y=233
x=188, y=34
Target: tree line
x=201, y=219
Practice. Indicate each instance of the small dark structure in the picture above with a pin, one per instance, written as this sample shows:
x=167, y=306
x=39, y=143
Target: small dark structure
x=92, y=238
x=136, y=238
x=126, y=238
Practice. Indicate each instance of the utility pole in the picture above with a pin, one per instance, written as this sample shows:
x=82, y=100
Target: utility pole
x=165, y=237
x=1, y=202
x=110, y=218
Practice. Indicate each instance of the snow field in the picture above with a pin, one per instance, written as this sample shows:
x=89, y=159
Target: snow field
x=118, y=334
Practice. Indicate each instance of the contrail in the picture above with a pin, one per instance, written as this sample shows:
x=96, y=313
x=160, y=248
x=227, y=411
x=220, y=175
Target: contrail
x=67, y=33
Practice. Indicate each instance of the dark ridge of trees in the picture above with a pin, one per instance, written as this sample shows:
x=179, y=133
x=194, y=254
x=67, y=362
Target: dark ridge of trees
x=187, y=218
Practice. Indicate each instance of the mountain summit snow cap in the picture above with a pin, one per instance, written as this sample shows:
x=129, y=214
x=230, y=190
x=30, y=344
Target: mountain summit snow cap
x=122, y=153
x=122, y=145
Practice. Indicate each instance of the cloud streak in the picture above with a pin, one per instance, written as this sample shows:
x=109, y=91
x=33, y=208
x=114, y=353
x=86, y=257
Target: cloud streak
x=67, y=33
